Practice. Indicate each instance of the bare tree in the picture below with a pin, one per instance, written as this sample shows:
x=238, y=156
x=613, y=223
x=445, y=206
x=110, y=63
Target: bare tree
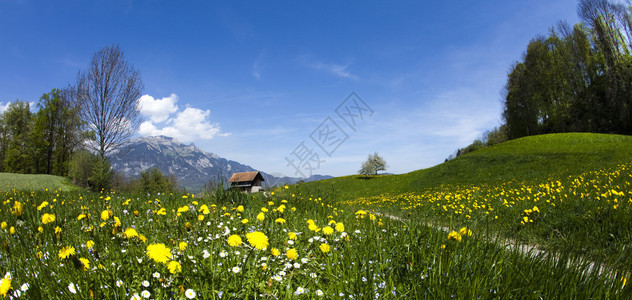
x=107, y=94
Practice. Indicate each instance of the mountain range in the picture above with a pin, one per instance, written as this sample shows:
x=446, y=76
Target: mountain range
x=192, y=166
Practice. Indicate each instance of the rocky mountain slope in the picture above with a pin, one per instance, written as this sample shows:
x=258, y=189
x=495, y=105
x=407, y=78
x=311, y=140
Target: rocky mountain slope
x=192, y=166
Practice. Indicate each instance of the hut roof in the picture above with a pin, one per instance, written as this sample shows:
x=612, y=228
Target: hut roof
x=245, y=176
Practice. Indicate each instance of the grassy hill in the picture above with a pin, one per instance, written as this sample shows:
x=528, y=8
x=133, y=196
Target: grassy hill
x=529, y=158
x=34, y=182
x=567, y=193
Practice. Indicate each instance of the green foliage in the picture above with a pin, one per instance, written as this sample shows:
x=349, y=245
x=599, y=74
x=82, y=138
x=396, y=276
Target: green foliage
x=496, y=136
x=101, y=176
x=153, y=181
x=18, y=155
x=219, y=190
x=56, y=132
x=42, y=142
x=575, y=79
x=81, y=165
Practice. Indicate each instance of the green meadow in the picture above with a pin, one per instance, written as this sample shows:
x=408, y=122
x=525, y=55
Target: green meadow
x=539, y=217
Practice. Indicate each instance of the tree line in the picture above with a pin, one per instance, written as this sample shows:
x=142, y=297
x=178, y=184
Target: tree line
x=74, y=128
x=578, y=78
x=575, y=79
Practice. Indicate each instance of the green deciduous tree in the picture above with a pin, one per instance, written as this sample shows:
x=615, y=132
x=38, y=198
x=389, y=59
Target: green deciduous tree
x=153, y=181
x=18, y=156
x=56, y=132
x=577, y=78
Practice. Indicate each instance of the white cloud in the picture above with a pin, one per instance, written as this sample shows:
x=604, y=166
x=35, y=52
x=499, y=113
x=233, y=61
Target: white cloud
x=4, y=107
x=158, y=110
x=187, y=125
x=334, y=69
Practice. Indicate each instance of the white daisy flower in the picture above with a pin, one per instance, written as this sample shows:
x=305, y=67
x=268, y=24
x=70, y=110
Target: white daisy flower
x=190, y=294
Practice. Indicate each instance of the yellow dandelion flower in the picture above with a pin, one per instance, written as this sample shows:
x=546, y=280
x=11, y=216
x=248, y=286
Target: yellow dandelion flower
x=182, y=245
x=204, y=209
x=275, y=252
x=465, y=231
x=200, y=218
x=12, y=230
x=327, y=230
x=3, y=225
x=130, y=233
x=258, y=240
x=90, y=244
x=280, y=221
x=57, y=231
x=240, y=208
x=174, y=267
x=40, y=229
x=261, y=216
x=324, y=247
x=340, y=227
x=41, y=206
x=234, y=240
x=85, y=263
x=183, y=209
x=5, y=284
x=17, y=208
x=454, y=236
x=159, y=253
x=314, y=228
x=66, y=252
x=292, y=254
x=244, y=221
x=81, y=216
x=291, y=235
x=48, y=218
x=105, y=215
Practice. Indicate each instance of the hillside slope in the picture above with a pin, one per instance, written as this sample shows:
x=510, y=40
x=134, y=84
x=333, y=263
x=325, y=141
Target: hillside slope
x=34, y=182
x=522, y=159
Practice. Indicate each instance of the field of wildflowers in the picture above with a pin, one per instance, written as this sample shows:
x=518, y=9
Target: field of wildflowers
x=288, y=245
x=586, y=214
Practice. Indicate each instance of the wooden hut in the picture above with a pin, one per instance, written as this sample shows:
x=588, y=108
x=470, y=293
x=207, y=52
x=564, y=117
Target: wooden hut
x=249, y=182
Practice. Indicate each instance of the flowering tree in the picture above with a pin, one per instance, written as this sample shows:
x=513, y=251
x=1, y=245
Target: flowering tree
x=372, y=165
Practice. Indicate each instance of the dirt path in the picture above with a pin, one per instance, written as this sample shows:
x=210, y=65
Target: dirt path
x=528, y=250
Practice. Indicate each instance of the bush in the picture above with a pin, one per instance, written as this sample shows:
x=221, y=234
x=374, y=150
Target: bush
x=101, y=177
x=81, y=165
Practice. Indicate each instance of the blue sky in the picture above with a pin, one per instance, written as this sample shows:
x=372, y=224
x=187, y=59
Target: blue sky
x=255, y=81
